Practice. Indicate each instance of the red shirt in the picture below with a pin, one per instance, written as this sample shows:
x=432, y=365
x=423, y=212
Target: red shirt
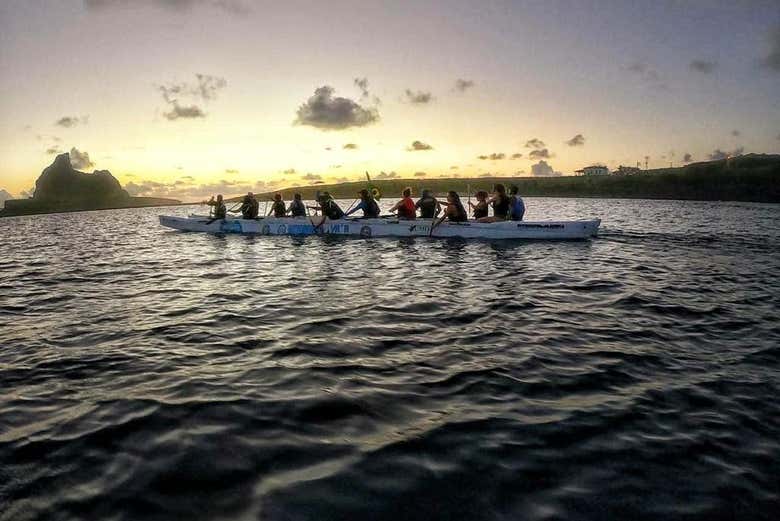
x=407, y=209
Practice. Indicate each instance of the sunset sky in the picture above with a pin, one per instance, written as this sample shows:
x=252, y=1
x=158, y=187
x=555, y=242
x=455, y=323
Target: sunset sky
x=189, y=97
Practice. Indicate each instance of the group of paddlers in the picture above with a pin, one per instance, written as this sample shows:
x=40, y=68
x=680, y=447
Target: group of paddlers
x=505, y=206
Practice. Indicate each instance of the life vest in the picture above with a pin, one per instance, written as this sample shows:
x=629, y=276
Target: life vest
x=332, y=210
x=372, y=208
x=459, y=215
x=279, y=209
x=407, y=209
x=518, y=208
x=501, y=207
x=427, y=207
x=480, y=210
x=297, y=208
x=220, y=211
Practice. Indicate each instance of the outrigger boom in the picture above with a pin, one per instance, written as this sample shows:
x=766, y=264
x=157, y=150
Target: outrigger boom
x=384, y=227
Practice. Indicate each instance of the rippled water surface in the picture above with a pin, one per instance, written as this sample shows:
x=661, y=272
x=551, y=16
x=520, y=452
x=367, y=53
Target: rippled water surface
x=153, y=374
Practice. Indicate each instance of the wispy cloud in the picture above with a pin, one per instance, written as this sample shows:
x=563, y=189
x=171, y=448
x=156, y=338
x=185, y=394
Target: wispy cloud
x=419, y=146
x=534, y=143
x=719, y=154
x=236, y=7
x=540, y=154
x=517, y=155
x=204, y=89
x=419, y=97
x=462, y=85
x=350, y=146
x=326, y=112
x=576, y=141
x=420, y=174
x=231, y=171
x=736, y=133
x=312, y=178
x=703, y=66
x=495, y=156
x=71, y=121
x=772, y=59
x=388, y=175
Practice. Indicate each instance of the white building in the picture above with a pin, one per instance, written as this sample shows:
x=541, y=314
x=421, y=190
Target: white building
x=594, y=170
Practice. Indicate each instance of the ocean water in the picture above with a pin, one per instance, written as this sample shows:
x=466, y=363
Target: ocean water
x=153, y=374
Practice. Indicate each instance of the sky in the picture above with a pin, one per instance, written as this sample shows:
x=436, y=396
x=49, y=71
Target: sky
x=185, y=98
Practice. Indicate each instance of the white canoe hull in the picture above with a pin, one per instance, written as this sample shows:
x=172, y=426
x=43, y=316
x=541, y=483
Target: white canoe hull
x=316, y=225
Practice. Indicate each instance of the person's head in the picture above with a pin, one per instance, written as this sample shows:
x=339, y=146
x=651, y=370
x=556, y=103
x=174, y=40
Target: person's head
x=482, y=195
x=453, y=197
x=219, y=198
x=250, y=194
x=277, y=197
x=513, y=190
x=407, y=192
x=499, y=189
x=364, y=194
x=297, y=197
x=426, y=193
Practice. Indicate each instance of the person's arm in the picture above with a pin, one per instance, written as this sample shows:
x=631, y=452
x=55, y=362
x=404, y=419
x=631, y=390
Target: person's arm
x=360, y=206
x=438, y=209
x=395, y=206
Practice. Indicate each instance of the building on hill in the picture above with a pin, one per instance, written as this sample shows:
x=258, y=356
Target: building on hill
x=627, y=170
x=594, y=170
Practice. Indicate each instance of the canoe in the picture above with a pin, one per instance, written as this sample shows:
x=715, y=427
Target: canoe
x=387, y=227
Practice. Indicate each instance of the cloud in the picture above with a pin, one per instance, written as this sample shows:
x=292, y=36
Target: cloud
x=454, y=167
x=576, y=141
x=311, y=177
x=188, y=112
x=539, y=154
x=335, y=166
x=326, y=112
x=420, y=174
x=289, y=171
x=487, y=174
x=462, y=85
x=342, y=179
x=687, y=158
x=71, y=121
x=517, y=155
x=205, y=89
x=231, y=171
x=534, y=143
x=772, y=60
x=419, y=145
x=4, y=196
x=387, y=175
x=719, y=154
x=52, y=150
x=80, y=159
x=495, y=156
x=542, y=169
x=185, y=188
x=419, y=97
x=736, y=133
x=703, y=66
x=231, y=6
x=350, y=146
x=647, y=74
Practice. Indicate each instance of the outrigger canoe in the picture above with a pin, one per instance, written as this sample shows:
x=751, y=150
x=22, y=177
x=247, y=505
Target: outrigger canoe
x=387, y=227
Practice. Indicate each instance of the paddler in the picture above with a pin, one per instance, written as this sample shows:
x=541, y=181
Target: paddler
x=516, y=204
x=297, y=208
x=249, y=207
x=220, y=211
x=368, y=204
x=405, y=207
x=329, y=208
x=278, y=209
x=454, y=211
x=429, y=207
x=500, y=203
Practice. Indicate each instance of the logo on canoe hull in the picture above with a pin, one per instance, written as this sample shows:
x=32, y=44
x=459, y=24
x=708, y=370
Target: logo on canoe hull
x=266, y=230
x=231, y=227
x=365, y=232
x=281, y=230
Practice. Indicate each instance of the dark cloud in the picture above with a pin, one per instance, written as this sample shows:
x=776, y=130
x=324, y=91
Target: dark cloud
x=80, y=159
x=185, y=188
x=772, y=60
x=387, y=175
x=718, y=154
x=52, y=150
x=462, y=85
x=419, y=97
x=420, y=174
x=326, y=112
x=539, y=154
x=350, y=146
x=647, y=74
x=517, y=155
x=231, y=6
x=188, y=112
x=71, y=121
x=362, y=84
x=703, y=66
x=487, y=174
x=495, y=156
x=231, y=171
x=534, y=143
x=542, y=169
x=289, y=171
x=454, y=167
x=312, y=178
x=419, y=145
x=736, y=133
x=687, y=158
x=576, y=141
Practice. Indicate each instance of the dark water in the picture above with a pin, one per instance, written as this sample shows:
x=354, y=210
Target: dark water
x=150, y=374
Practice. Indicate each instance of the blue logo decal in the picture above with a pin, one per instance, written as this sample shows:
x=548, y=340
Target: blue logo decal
x=231, y=227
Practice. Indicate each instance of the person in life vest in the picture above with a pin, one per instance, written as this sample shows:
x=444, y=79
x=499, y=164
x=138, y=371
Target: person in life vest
x=500, y=203
x=429, y=207
x=297, y=208
x=480, y=209
x=405, y=207
x=454, y=212
x=250, y=208
x=220, y=210
x=367, y=203
x=329, y=208
x=516, y=204
x=278, y=208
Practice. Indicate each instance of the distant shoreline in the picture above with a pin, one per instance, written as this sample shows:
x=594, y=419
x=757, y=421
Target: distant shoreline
x=7, y=213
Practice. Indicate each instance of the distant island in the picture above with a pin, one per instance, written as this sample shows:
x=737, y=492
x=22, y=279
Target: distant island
x=751, y=177
x=61, y=188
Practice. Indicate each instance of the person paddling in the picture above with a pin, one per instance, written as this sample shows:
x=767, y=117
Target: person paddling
x=278, y=208
x=368, y=204
x=220, y=210
x=429, y=207
x=480, y=209
x=500, y=203
x=297, y=208
x=405, y=207
x=329, y=208
x=454, y=211
x=516, y=204
x=249, y=207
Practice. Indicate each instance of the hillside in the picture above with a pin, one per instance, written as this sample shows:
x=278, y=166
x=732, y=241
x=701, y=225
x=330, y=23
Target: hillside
x=751, y=177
